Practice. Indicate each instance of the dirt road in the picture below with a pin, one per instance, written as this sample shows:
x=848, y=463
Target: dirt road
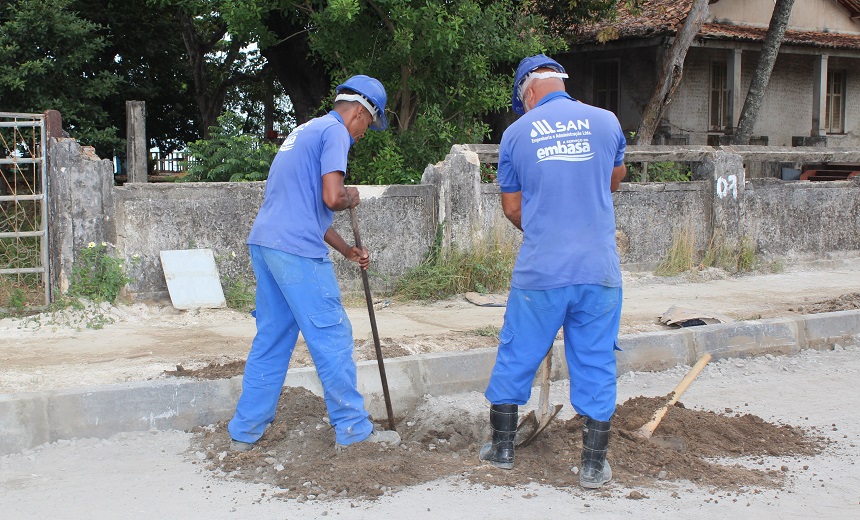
x=141, y=342
x=169, y=475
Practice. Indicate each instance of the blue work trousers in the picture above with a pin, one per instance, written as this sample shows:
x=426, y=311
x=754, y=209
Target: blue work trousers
x=590, y=316
x=295, y=294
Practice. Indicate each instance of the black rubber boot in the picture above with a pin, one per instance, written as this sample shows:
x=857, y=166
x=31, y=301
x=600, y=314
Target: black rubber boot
x=594, y=470
x=500, y=452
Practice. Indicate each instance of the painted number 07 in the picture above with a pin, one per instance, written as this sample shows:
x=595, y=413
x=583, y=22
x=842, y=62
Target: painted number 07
x=729, y=184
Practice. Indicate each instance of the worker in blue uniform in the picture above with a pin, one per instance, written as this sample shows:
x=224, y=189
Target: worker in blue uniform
x=296, y=285
x=558, y=166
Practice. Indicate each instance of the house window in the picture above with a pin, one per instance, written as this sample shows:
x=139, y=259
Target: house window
x=834, y=120
x=606, y=87
x=719, y=105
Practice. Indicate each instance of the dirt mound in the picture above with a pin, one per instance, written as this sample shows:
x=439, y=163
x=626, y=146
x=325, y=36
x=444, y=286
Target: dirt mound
x=297, y=454
x=846, y=302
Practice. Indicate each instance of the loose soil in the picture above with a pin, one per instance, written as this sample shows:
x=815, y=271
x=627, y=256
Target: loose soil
x=723, y=450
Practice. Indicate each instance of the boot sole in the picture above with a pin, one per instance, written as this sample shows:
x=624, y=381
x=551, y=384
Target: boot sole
x=595, y=485
x=485, y=451
x=500, y=465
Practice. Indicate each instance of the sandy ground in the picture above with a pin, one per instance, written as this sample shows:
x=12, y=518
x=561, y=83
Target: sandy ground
x=141, y=342
x=167, y=474
x=764, y=437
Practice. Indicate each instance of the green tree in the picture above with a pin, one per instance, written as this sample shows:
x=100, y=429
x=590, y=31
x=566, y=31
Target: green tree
x=48, y=62
x=440, y=62
x=145, y=49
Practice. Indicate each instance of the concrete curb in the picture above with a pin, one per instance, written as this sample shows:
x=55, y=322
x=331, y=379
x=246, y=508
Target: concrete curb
x=30, y=419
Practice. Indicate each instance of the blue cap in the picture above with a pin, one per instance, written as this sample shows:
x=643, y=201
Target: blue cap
x=526, y=66
x=372, y=90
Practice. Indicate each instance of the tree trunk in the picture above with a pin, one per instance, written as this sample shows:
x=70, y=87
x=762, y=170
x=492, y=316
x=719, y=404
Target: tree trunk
x=304, y=79
x=761, y=77
x=673, y=69
x=209, y=96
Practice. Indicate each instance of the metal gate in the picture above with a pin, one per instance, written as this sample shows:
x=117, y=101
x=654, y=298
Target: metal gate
x=24, y=277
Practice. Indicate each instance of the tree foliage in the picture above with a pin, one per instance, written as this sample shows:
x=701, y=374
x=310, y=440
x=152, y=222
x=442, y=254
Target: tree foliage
x=145, y=50
x=230, y=153
x=445, y=64
x=48, y=62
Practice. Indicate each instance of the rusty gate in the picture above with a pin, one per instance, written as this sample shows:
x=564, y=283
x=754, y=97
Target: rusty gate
x=24, y=277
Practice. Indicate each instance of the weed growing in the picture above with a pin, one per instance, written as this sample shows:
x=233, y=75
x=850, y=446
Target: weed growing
x=680, y=257
x=70, y=313
x=239, y=293
x=489, y=331
x=97, y=275
x=485, y=268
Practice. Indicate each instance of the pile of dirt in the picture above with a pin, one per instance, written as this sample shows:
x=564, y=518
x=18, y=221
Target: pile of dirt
x=297, y=454
x=846, y=302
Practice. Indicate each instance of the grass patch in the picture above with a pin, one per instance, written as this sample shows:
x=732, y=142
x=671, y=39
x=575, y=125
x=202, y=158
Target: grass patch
x=734, y=258
x=681, y=256
x=739, y=258
x=489, y=331
x=485, y=268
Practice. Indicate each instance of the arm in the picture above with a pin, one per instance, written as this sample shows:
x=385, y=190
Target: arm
x=513, y=208
x=337, y=196
x=618, y=173
x=351, y=253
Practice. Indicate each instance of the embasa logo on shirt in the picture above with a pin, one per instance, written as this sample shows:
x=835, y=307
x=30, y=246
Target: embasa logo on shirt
x=574, y=150
x=291, y=139
x=571, y=140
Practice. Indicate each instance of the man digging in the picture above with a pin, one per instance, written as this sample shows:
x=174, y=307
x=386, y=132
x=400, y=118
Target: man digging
x=558, y=166
x=296, y=285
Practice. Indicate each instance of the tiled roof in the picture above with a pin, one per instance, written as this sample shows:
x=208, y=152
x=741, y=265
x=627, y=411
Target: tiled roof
x=664, y=18
x=656, y=17
x=853, y=6
x=720, y=31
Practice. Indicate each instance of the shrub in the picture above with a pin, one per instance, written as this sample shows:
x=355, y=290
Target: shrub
x=97, y=275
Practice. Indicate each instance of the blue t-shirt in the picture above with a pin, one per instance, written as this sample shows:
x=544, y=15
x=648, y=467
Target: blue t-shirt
x=293, y=217
x=560, y=155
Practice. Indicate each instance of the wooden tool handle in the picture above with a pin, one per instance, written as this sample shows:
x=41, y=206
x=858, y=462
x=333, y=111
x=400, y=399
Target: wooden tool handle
x=648, y=428
x=546, y=368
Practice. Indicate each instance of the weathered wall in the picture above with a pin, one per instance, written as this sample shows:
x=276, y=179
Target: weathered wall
x=398, y=224
x=802, y=219
x=80, y=204
x=151, y=218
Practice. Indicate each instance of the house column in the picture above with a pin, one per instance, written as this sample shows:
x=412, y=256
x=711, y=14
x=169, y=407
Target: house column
x=733, y=87
x=819, y=96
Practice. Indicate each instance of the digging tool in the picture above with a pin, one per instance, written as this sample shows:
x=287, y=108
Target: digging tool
x=373, y=329
x=530, y=425
x=647, y=430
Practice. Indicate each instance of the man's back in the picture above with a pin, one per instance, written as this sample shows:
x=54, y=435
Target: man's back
x=560, y=155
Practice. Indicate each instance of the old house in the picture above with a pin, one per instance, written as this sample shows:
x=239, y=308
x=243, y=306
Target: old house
x=812, y=99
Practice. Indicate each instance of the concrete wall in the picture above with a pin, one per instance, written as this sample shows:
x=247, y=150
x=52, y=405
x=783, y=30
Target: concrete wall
x=80, y=204
x=151, y=218
x=399, y=224
x=395, y=223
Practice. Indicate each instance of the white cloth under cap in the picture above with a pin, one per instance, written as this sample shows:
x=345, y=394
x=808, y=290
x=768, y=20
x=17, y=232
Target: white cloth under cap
x=361, y=99
x=539, y=75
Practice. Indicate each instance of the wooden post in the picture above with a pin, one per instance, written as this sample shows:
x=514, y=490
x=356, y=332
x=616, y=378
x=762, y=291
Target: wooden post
x=137, y=155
